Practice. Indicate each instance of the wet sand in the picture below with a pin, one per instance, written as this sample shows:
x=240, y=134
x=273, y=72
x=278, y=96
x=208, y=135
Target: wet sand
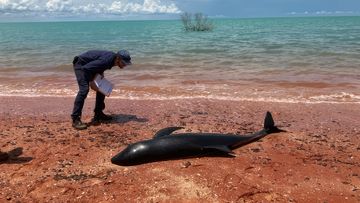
x=142, y=82
x=316, y=160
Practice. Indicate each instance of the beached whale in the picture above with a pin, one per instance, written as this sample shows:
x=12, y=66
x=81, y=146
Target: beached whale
x=166, y=146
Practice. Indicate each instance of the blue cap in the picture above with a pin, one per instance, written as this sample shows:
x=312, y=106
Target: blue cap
x=125, y=57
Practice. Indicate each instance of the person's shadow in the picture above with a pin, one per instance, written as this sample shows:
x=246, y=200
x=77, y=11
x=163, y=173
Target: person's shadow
x=13, y=157
x=121, y=118
x=124, y=118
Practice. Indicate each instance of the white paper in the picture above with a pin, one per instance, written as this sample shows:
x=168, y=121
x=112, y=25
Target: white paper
x=105, y=86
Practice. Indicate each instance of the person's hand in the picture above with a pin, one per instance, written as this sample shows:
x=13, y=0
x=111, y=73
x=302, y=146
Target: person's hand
x=93, y=86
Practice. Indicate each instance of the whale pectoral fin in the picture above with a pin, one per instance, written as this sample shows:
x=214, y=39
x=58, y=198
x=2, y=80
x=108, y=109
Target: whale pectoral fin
x=221, y=148
x=166, y=131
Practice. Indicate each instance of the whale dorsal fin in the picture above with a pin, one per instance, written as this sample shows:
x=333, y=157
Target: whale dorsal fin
x=166, y=131
x=220, y=148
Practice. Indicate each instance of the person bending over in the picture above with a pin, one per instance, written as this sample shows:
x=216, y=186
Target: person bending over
x=86, y=66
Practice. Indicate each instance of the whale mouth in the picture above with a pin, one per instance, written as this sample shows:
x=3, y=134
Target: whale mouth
x=115, y=160
x=125, y=162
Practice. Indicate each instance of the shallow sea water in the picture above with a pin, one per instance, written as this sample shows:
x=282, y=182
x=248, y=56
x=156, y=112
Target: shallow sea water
x=268, y=59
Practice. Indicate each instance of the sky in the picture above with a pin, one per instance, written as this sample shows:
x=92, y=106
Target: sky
x=53, y=10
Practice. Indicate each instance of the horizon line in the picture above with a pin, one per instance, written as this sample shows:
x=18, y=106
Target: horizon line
x=168, y=19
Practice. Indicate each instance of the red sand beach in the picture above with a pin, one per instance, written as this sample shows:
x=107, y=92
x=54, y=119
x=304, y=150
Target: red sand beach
x=316, y=160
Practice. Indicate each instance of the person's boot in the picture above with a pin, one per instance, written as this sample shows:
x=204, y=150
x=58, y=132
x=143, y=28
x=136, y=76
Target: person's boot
x=101, y=117
x=3, y=156
x=77, y=124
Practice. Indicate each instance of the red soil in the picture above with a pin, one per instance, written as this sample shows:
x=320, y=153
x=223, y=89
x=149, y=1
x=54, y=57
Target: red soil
x=317, y=160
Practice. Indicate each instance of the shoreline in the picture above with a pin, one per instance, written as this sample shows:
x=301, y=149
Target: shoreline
x=170, y=98
x=61, y=164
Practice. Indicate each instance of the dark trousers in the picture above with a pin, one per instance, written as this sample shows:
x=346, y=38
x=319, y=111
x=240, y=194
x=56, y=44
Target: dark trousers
x=83, y=78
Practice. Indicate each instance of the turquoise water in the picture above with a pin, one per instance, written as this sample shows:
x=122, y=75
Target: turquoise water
x=315, y=55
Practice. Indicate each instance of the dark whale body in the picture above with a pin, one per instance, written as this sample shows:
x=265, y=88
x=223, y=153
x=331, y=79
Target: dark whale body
x=166, y=146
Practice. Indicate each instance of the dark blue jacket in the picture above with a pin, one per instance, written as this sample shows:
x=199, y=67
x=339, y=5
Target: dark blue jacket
x=96, y=61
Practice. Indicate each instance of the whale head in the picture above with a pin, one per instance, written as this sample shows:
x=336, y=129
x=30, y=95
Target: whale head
x=133, y=154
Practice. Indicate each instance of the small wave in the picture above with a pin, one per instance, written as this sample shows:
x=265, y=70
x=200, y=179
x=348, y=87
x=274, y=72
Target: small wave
x=342, y=97
x=229, y=98
x=210, y=97
x=33, y=92
x=176, y=94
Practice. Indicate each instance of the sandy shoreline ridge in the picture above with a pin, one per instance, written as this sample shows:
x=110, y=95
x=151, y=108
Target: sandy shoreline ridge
x=317, y=160
x=341, y=98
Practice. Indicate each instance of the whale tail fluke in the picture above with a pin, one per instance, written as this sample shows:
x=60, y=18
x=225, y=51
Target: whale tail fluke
x=269, y=124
